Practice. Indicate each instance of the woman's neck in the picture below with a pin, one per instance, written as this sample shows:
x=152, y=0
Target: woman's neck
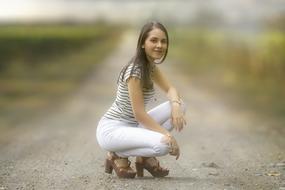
x=150, y=60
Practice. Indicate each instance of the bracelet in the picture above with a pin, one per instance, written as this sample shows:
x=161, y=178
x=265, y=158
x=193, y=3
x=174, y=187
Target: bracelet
x=176, y=101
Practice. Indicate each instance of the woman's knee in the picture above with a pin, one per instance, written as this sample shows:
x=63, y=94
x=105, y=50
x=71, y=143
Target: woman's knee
x=161, y=149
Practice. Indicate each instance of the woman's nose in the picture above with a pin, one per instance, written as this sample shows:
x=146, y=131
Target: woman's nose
x=158, y=44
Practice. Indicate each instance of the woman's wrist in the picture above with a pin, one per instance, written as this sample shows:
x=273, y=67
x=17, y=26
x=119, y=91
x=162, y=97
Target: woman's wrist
x=176, y=102
x=168, y=135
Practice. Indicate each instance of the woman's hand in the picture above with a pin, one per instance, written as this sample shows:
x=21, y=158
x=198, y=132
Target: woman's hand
x=177, y=116
x=174, y=148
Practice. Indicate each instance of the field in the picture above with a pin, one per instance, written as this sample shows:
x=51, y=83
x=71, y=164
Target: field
x=41, y=64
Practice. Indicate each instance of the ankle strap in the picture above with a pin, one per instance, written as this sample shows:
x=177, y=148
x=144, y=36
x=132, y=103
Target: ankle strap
x=122, y=162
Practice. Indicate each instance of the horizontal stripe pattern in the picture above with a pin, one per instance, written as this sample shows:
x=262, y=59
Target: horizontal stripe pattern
x=121, y=108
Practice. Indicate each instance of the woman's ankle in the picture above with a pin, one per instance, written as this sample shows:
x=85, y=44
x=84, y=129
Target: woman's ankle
x=112, y=155
x=139, y=159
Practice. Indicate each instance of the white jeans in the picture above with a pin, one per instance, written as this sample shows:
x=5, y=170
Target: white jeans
x=134, y=140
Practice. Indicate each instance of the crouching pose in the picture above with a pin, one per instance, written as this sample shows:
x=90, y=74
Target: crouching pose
x=127, y=129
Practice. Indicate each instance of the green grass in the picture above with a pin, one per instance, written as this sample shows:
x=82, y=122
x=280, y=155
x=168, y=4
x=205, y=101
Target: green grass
x=249, y=68
x=45, y=64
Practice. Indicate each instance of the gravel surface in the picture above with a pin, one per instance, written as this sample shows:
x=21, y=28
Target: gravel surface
x=222, y=148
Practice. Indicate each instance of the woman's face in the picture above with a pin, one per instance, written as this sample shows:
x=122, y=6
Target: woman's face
x=155, y=44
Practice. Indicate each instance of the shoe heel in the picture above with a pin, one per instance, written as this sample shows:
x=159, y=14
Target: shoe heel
x=139, y=168
x=108, y=166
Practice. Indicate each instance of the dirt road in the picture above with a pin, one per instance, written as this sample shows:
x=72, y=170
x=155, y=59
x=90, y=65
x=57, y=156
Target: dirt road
x=222, y=148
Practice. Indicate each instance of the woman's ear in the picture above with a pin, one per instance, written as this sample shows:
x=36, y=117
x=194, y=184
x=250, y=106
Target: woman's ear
x=142, y=46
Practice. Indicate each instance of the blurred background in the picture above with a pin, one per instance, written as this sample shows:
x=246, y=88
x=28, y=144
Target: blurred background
x=235, y=48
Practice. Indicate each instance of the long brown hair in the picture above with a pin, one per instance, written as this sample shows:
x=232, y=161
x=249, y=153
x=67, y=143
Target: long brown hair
x=140, y=58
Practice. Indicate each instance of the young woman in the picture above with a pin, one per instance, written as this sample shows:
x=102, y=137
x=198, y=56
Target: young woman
x=127, y=129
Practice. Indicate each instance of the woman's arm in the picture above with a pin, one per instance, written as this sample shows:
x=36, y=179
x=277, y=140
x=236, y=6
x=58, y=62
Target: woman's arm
x=137, y=101
x=165, y=85
x=174, y=97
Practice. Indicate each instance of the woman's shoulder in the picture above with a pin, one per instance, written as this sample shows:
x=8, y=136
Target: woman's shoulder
x=133, y=67
x=130, y=70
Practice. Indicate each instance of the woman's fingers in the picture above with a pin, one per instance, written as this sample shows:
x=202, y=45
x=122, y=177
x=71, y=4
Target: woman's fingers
x=178, y=154
x=174, y=123
x=179, y=124
x=170, y=144
x=178, y=119
x=175, y=152
x=184, y=121
x=174, y=148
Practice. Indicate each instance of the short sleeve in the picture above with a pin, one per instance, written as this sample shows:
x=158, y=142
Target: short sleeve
x=132, y=71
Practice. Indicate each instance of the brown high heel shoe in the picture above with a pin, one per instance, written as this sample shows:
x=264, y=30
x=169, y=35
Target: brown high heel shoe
x=120, y=165
x=151, y=164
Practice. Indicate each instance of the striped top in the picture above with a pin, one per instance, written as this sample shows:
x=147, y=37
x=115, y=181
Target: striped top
x=121, y=109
